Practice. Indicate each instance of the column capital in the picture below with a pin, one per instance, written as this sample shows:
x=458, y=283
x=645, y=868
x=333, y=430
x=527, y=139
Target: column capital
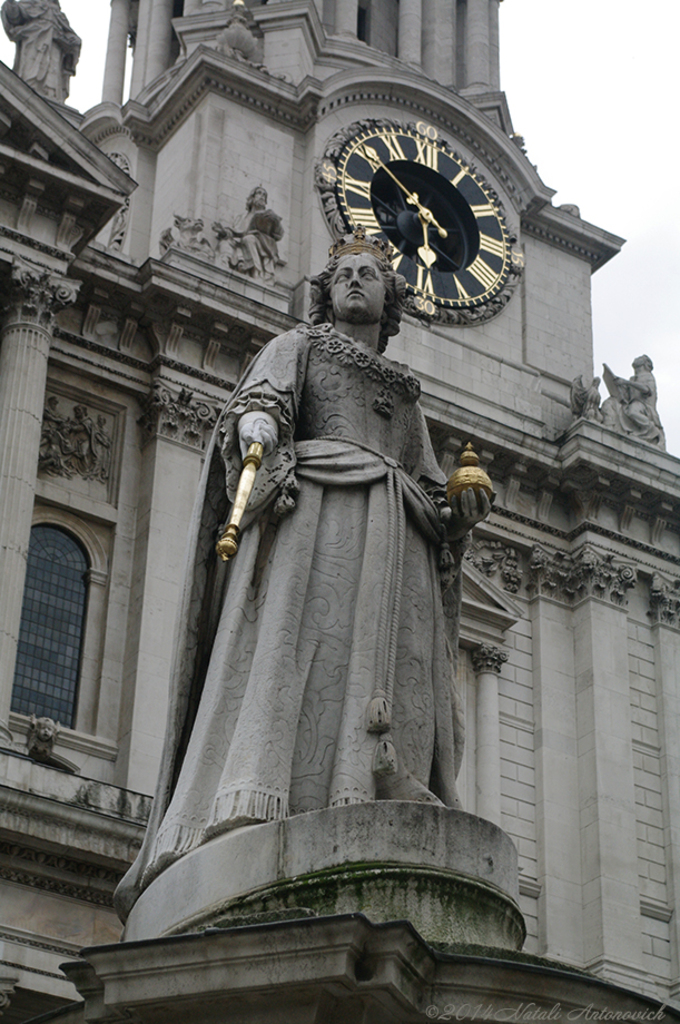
x=37, y=294
x=487, y=658
x=176, y=414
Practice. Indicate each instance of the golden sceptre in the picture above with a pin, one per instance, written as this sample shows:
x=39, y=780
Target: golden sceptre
x=227, y=545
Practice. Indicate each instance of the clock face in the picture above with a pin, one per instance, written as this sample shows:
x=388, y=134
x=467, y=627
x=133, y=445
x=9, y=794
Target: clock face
x=405, y=183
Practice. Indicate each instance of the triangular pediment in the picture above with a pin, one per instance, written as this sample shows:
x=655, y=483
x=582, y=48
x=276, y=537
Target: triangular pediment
x=44, y=157
x=487, y=611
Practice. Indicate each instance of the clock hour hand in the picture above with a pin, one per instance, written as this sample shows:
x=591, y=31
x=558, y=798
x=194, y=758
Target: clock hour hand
x=425, y=252
x=411, y=197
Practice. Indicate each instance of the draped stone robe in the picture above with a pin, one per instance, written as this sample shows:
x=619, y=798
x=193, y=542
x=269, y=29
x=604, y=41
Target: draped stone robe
x=314, y=671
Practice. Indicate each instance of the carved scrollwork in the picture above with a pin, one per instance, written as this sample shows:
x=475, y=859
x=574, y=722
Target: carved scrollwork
x=75, y=445
x=664, y=600
x=487, y=658
x=36, y=295
x=177, y=415
x=120, y=221
x=588, y=573
x=493, y=558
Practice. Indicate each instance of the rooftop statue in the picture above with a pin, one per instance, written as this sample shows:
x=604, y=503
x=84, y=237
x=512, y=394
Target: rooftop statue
x=249, y=244
x=313, y=670
x=47, y=47
x=631, y=407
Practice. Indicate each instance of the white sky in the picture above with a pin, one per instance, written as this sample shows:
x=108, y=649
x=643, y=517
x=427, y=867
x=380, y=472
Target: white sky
x=591, y=85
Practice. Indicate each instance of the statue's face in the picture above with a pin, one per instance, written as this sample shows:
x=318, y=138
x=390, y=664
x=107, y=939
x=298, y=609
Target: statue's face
x=258, y=199
x=358, y=290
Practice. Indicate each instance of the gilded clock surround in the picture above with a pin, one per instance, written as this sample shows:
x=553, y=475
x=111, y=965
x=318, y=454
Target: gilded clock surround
x=406, y=183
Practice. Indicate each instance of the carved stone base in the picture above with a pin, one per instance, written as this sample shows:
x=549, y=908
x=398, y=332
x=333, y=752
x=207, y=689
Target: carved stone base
x=339, y=970
x=452, y=875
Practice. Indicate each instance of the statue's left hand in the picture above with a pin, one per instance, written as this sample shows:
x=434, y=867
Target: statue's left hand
x=469, y=510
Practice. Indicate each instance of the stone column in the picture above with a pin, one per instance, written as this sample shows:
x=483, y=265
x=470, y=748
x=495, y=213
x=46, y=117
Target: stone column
x=494, y=45
x=116, y=52
x=477, y=43
x=667, y=665
x=160, y=38
x=611, y=894
x=560, y=913
x=439, y=40
x=141, y=45
x=487, y=662
x=410, y=31
x=346, y=17
x=35, y=297
x=174, y=428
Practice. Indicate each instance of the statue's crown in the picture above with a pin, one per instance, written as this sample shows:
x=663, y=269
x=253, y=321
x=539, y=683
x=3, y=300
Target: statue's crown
x=359, y=242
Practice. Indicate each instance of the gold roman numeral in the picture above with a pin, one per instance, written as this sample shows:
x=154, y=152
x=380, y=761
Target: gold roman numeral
x=424, y=280
x=427, y=154
x=362, y=188
x=462, y=173
x=393, y=147
x=396, y=260
x=496, y=246
x=365, y=218
x=462, y=294
x=483, y=273
x=483, y=210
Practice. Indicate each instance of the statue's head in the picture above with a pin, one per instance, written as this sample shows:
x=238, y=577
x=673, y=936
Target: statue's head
x=357, y=250
x=643, y=363
x=257, y=200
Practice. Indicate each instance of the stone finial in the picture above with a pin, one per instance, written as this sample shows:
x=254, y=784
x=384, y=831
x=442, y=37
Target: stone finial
x=42, y=735
x=631, y=407
x=487, y=658
x=47, y=47
x=239, y=39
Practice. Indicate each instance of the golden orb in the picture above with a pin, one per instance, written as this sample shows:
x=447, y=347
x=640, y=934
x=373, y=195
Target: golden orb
x=468, y=475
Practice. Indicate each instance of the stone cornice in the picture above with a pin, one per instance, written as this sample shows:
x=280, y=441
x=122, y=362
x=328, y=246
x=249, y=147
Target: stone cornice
x=578, y=237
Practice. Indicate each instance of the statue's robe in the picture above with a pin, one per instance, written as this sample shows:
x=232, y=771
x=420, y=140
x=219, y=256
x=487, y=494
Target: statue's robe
x=314, y=670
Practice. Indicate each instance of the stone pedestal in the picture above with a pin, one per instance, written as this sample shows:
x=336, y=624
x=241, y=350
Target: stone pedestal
x=452, y=875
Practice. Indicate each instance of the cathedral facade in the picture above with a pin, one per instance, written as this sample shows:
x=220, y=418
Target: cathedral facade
x=148, y=250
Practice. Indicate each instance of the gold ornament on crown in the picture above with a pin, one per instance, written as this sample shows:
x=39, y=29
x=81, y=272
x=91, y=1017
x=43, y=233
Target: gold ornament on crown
x=359, y=242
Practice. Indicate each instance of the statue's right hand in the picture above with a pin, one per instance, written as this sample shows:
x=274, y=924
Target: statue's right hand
x=258, y=426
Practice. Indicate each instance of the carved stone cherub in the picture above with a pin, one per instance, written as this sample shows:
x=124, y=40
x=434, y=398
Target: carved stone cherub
x=42, y=735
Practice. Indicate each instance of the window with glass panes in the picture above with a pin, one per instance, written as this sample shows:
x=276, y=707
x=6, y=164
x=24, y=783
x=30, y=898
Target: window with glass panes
x=52, y=626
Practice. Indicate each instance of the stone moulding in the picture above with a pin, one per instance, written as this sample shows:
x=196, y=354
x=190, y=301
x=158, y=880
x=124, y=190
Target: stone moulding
x=453, y=875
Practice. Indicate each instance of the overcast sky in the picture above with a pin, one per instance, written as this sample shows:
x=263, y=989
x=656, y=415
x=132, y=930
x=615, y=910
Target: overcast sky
x=592, y=87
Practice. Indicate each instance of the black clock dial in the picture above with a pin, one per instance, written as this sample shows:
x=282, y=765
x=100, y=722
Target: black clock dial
x=444, y=221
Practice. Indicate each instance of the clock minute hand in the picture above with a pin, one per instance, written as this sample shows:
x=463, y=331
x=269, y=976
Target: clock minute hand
x=412, y=197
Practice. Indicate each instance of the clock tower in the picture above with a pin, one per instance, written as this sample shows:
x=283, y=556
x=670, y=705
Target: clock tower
x=258, y=134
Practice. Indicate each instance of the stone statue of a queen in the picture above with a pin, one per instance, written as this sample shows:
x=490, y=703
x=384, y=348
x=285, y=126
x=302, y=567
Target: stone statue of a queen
x=313, y=670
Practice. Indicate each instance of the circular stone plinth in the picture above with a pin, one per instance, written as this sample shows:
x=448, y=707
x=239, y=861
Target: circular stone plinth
x=454, y=876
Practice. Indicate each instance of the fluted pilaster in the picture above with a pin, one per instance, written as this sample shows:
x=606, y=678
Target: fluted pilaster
x=35, y=297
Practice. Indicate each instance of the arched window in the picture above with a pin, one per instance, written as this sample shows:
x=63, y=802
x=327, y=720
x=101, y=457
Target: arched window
x=52, y=625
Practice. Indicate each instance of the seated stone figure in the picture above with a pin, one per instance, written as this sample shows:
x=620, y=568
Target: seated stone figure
x=631, y=407
x=313, y=671
x=249, y=244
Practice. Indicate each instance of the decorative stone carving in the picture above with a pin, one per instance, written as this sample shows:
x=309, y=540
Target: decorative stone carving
x=36, y=295
x=120, y=221
x=176, y=415
x=664, y=600
x=588, y=573
x=187, y=234
x=487, y=658
x=240, y=38
x=75, y=445
x=249, y=244
x=495, y=558
x=42, y=735
x=631, y=407
x=47, y=47
x=585, y=401
x=7, y=985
